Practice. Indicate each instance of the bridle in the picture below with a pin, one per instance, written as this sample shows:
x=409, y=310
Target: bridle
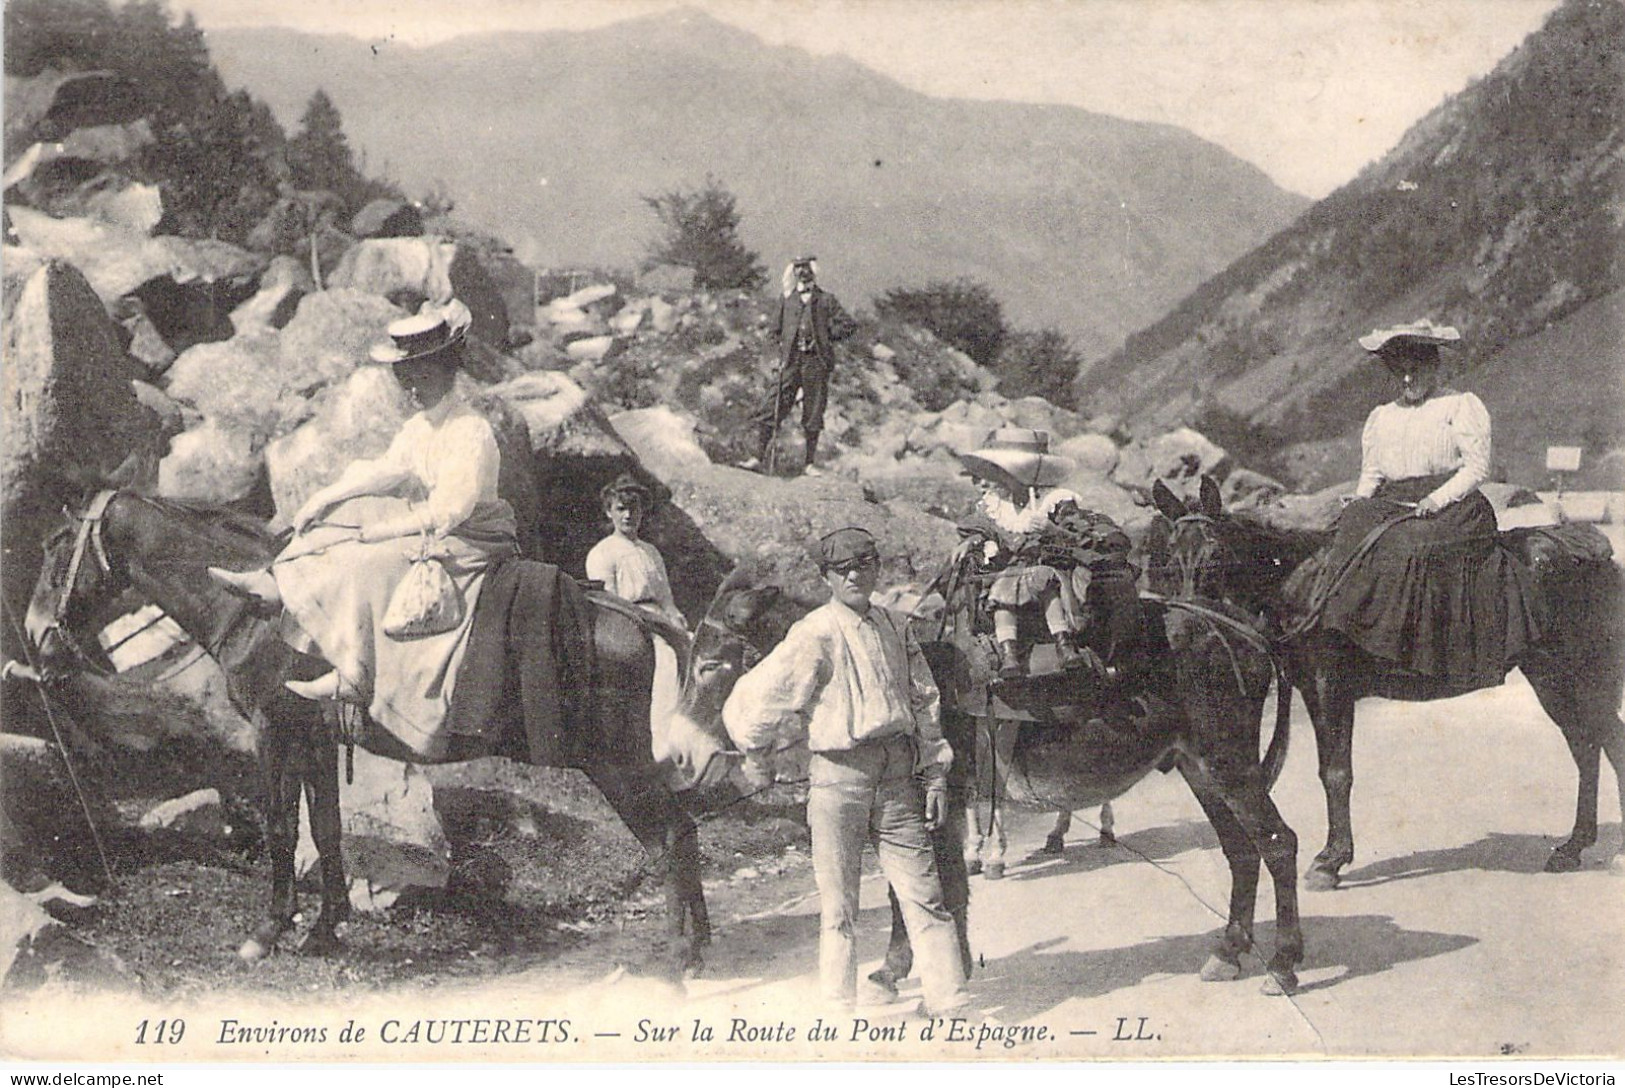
x=87, y=541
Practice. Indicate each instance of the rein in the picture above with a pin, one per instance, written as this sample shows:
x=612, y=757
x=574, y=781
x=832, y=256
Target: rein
x=88, y=539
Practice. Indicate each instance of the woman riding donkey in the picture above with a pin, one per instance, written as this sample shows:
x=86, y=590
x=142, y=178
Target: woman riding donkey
x=387, y=561
x=1414, y=575
x=1050, y=554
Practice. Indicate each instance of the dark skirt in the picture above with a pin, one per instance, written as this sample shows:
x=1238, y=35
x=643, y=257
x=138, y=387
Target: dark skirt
x=1436, y=596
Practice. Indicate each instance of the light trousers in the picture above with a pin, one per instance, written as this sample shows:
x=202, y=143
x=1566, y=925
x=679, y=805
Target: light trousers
x=869, y=794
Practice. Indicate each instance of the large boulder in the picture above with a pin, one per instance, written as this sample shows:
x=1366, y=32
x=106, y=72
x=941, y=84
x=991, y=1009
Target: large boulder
x=1179, y=458
x=663, y=439
x=44, y=811
x=240, y=383
x=36, y=949
x=212, y=463
x=69, y=406
x=285, y=283
x=186, y=286
x=329, y=336
x=387, y=218
x=427, y=268
x=49, y=107
x=355, y=418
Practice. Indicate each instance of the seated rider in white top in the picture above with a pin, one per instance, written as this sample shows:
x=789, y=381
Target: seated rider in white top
x=433, y=492
x=629, y=566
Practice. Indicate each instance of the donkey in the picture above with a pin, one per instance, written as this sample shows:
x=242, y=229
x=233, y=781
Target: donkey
x=1577, y=669
x=121, y=540
x=1202, y=714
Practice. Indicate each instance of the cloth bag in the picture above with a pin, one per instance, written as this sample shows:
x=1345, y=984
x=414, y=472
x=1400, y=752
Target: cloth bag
x=426, y=602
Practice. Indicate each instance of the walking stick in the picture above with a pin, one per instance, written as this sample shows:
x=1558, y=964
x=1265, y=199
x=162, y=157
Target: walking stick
x=778, y=412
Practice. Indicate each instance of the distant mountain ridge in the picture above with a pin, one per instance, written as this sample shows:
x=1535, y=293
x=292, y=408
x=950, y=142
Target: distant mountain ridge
x=1501, y=212
x=1089, y=223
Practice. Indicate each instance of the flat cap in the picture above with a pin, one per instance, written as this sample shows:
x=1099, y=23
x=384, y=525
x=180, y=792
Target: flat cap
x=845, y=545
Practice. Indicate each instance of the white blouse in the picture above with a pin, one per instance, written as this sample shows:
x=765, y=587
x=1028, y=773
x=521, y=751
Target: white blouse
x=452, y=455
x=1024, y=519
x=1449, y=432
x=633, y=571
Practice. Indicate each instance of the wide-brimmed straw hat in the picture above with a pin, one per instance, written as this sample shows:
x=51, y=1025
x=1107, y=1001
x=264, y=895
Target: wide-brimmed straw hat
x=431, y=330
x=1019, y=454
x=1416, y=332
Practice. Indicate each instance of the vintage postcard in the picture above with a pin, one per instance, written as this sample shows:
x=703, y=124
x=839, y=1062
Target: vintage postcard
x=822, y=532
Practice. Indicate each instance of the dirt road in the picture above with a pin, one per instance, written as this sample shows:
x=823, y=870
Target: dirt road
x=1446, y=939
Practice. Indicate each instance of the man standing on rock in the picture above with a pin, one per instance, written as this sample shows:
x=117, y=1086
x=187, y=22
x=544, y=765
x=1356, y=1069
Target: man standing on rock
x=810, y=323
x=850, y=680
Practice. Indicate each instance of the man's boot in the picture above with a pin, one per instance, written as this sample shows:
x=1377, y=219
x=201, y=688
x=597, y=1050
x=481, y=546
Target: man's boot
x=1010, y=663
x=808, y=468
x=1069, y=652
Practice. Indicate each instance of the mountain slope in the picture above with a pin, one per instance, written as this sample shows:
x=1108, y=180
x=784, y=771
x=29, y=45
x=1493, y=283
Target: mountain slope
x=1500, y=212
x=1089, y=223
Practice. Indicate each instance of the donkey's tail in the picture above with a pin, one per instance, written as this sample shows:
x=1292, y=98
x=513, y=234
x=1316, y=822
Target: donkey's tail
x=1275, y=754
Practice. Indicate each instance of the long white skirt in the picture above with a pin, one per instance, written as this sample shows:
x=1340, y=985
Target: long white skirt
x=337, y=589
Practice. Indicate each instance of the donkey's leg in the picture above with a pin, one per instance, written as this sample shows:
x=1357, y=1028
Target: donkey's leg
x=1224, y=964
x=994, y=846
x=1108, y=826
x=1331, y=709
x=280, y=780
x=669, y=837
x=1250, y=801
x=1586, y=721
x=975, y=840
x=321, y=775
x=1055, y=841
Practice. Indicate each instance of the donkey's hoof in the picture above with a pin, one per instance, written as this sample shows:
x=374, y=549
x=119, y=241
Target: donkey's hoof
x=993, y=870
x=1321, y=880
x=1563, y=861
x=252, y=950
x=973, y=866
x=1106, y=839
x=1055, y=844
x=1219, y=969
x=1279, y=983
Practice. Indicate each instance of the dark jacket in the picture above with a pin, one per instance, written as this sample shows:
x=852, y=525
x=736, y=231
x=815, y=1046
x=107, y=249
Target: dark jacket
x=829, y=321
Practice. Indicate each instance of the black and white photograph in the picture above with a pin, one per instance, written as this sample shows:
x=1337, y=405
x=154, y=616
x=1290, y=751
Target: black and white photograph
x=813, y=532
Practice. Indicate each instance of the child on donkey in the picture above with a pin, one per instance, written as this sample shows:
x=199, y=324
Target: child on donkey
x=1052, y=555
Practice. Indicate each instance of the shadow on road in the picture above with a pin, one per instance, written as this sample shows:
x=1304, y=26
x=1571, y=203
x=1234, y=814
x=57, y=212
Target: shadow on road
x=1150, y=844
x=1035, y=980
x=1494, y=853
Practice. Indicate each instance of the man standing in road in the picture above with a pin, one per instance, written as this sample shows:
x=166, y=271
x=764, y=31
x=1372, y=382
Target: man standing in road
x=850, y=680
x=810, y=323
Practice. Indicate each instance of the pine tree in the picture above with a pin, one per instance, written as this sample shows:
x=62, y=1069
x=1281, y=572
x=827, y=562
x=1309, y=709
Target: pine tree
x=319, y=155
x=702, y=233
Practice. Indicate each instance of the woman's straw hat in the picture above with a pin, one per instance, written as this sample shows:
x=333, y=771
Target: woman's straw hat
x=1019, y=454
x=431, y=330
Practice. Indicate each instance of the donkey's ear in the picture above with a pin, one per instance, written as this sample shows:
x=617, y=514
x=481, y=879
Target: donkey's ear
x=1169, y=504
x=1212, y=505
x=137, y=472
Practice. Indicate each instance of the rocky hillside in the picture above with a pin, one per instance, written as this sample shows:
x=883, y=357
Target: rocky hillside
x=551, y=140
x=1499, y=212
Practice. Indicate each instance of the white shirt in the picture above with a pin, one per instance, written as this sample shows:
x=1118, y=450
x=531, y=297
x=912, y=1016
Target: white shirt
x=1448, y=432
x=634, y=571
x=1013, y=519
x=444, y=461
x=839, y=679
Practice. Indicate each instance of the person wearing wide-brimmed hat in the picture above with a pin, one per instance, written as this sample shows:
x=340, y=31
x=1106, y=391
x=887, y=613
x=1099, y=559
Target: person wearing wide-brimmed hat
x=629, y=566
x=1037, y=526
x=1414, y=575
x=431, y=496
x=850, y=680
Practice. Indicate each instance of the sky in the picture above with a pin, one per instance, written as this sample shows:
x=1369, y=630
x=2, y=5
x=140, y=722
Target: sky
x=1310, y=91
